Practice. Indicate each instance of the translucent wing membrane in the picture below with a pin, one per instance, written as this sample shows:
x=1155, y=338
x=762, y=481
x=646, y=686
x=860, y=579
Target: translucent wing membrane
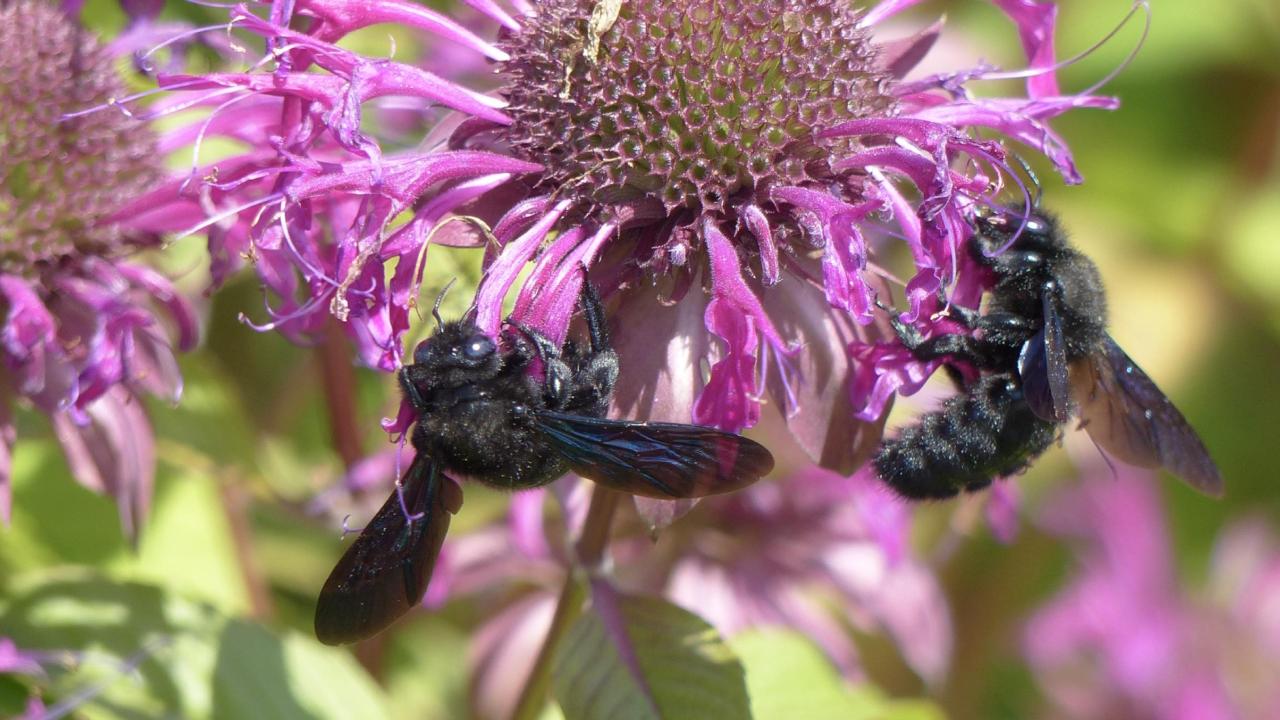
x=386, y=570
x=658, y=460
x=1042, y=365
x=1131, y=418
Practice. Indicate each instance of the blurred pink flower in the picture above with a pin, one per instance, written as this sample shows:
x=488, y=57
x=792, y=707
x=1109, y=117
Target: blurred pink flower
x=83, y=330
x=815, y=552
x=1128, y=639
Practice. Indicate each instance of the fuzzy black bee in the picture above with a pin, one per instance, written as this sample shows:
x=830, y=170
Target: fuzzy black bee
x=482, y=415
x=1042, y=350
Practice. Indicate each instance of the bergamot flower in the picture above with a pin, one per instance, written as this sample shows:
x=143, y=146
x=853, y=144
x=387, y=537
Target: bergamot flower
x=82, y=326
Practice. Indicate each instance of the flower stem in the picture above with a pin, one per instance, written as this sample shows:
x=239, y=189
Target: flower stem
x=339, y=380
x=588, y=557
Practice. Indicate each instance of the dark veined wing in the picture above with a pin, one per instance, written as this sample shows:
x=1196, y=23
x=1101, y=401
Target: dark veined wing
x=658, y=460
x=1042, y=365
x=386, y=570
x=1131, y=418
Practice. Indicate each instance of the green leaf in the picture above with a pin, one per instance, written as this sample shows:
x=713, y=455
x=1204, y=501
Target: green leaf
x=135, y=650
x=788, y=677
x=634, y=657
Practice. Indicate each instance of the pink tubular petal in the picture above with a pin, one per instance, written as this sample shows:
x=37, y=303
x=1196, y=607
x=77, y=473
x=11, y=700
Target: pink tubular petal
x=885, y=10
x=557, y=293
x=113, y=453
x=161, y=290
x=28, y=323
x=343, y=16
x=491, y=9
x=500, y=276
x=898, y=57
x=1025, y=122
x=1035, y=21
x=730, y=399
x=152, y=366
x=884, y=370
x=844, y=256
x=758, y=224
x=525, y=521
x=406, y=178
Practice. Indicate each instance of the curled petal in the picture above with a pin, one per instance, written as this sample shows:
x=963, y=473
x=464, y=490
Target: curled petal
x=113, y=453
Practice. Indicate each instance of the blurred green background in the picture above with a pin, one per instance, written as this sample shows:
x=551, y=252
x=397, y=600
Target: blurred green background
x=1181, y=209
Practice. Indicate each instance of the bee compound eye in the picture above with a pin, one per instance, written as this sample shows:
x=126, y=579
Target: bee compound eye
x=421, y=352
x=478, y=348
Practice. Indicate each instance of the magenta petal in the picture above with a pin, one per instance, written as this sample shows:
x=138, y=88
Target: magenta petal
x=162, y=291
x=758, y=224
x=499, y=277
x=113, y=453
x=16, y=661
x=898, y=57
x=152, y=365
x=1035, y=21
x=343, y=16
x=730, y=399
x=886, y=9
x=28, y=323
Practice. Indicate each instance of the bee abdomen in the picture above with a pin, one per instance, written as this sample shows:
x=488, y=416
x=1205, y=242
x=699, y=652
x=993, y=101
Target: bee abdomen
x=987, y=432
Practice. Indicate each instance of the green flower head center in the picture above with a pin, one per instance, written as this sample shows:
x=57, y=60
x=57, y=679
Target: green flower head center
x=690, y=103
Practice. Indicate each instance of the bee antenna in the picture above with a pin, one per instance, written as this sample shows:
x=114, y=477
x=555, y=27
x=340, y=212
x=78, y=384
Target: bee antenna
x=1031, y=175
x=435, y=309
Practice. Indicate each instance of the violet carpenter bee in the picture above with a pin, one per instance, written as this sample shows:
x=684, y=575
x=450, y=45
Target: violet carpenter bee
x=1041, y=351
x=481, y=414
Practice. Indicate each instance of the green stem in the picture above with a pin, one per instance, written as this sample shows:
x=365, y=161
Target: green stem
x=588, y=558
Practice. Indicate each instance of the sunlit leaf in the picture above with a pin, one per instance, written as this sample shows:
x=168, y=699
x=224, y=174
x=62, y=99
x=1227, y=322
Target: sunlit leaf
x=788, y=677
x=132, y=650
x=634, y=657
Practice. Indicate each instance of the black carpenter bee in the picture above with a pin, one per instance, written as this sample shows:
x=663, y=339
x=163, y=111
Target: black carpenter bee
x=1041, y=351
x=482, y=414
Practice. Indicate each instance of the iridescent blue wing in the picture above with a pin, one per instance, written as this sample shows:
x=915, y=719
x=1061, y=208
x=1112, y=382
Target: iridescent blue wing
x=386, y=570
x=1042, y=365
x=1131, y=418
x=658, y=460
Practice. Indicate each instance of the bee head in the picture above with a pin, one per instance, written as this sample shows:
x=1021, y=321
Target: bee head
x=1034, y=230
x=456, y=345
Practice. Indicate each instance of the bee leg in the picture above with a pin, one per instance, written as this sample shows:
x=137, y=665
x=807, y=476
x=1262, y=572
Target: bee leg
x=1007, y=323
x=597, y=328
x=558, y=383
x=978, y=352
x=411, y=390
x=965, y=316
x=593, y=384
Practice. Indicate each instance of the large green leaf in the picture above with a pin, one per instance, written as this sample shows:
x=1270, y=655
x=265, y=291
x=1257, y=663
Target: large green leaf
x=138, y=651
x=788, y=678
x=642, y=658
